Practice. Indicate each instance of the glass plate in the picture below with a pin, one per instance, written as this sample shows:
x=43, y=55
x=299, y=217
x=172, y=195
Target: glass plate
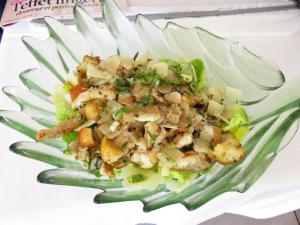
x=272, y=104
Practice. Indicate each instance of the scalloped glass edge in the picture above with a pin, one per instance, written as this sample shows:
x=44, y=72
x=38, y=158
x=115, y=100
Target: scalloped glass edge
x=274, y=112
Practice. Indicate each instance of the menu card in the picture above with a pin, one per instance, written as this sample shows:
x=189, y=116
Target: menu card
x=17, y=10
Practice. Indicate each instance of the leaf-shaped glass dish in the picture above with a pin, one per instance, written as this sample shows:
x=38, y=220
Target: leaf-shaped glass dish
x=273, y=105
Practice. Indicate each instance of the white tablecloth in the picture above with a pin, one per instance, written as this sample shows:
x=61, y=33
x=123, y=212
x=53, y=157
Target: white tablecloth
x=275, y=36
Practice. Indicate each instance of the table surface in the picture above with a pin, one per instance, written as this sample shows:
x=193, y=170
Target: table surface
x=276, y=192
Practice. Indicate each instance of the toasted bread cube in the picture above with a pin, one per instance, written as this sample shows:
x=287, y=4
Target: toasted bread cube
x=92, y=60
x=109, y=152
x=85, y=137
x=227, y=152
x=92, y=110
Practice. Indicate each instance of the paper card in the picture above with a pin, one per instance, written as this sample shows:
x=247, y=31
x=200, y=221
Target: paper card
x=17, y=10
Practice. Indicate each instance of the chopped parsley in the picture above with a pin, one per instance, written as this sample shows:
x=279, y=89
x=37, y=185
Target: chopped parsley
x=173, y=65
x=97, y=173
x=67, y=87
x=146, y=100
x=119, y=113
x=153, y=138
x=189, y=120
x=68, y=151
x=123, y=86
x=149, y=78
x=70, y=137
x=136, y=178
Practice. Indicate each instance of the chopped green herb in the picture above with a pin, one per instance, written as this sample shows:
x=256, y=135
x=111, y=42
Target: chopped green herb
x=180, y=176
x=156, y=169
x=136, y=178
x=97, y=173
x=70, y=137
x=146, y=100
x=67, y=87
x=119, y=113
x=206, y=170
x=173, y=65
x=153, y=138
x=123, y=86
x=117, y=172
x=149, y=78
x=68, y=151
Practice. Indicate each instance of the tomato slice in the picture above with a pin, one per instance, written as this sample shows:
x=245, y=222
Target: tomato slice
x=77, y=90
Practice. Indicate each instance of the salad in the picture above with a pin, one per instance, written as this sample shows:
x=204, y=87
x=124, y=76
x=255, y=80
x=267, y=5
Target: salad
x=149, y=122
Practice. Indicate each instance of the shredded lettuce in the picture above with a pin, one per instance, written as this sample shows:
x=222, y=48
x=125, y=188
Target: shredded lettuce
x=119, y=113
x=180, y=176
x=63, y=107
x=149, y=78
x=67, y=87
x=238, y=119
x=123, y=86
x=238, y=124
x=70, y=137
x=199, y=80
x=187, y=72
x=192, y=72
x=146, y=100
x=241, y=132
x=173, y=65
x=136, y=178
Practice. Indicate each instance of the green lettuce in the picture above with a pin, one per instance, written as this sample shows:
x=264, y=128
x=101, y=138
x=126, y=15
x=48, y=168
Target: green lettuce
x=63, y=107
x=136, y=178
x=198, y=82
x=67, y=87
x=173, y=65
x=192, y=72
x=180, y=176
x=238, y=124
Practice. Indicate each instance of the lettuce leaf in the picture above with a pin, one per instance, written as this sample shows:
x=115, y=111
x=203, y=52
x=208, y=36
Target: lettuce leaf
x=173, y=65
x=238, y=124
x=136, y=178
x=67, y=87
x=241, y=132
x=63, y=107
x=180, y=176
x=199, y=80
x=70, y=137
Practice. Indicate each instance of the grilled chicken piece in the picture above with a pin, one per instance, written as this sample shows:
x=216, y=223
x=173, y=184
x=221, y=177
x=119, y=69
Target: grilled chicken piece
x=87, y=96
x=149, y=113
x=192, y=162
x=60, y=130
x=183, y=140
x=145, y=160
